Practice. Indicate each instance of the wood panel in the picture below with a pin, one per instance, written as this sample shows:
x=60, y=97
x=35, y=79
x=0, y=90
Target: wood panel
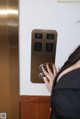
x=34, y=107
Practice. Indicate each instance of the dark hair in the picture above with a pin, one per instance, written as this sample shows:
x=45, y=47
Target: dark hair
x=73, y=58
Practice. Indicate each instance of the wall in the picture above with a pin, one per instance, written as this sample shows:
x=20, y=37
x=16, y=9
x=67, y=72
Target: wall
x=46, y=14
x=34, y=107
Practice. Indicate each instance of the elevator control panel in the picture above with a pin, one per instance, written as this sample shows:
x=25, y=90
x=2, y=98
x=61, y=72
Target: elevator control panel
x=43, y=50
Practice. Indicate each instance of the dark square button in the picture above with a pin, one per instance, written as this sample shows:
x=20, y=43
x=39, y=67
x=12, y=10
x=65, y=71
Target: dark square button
x=49, y=47
x=37, y=46
x=50, y=36
x=38, y=35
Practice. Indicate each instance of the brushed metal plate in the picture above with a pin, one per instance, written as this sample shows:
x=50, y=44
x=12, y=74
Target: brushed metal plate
x=43, y=50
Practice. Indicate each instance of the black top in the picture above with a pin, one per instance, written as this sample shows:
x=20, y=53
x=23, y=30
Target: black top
x=65, y=98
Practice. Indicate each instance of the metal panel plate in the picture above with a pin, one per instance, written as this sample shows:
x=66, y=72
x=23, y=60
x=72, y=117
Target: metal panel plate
x=43, y=50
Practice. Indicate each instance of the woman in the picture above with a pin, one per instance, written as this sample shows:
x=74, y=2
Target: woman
x=64, y=86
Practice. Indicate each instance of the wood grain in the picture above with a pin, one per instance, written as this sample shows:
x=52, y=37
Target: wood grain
x=34, y=107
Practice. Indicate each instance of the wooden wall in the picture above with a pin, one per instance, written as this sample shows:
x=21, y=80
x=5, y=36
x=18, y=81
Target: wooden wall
x=34, y=107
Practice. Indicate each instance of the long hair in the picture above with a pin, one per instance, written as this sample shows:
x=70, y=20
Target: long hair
x=73, y=58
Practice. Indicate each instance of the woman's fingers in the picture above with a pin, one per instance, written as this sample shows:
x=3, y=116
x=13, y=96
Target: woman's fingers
x=48, y=69
x=47, y=83
x=58, y=69
x=45, y=80
x=54, y=70
x=46, y=73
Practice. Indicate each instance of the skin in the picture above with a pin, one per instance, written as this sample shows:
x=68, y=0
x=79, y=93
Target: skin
x=50, y=75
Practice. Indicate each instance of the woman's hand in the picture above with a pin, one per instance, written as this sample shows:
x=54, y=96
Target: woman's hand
x=49, y=76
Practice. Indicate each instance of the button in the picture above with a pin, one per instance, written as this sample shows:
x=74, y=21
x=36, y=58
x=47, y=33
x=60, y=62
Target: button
x=38, y=35
x=40, y=67
x=41, y=75
x=49, y=47
x=37, y=46
x=50, y=36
